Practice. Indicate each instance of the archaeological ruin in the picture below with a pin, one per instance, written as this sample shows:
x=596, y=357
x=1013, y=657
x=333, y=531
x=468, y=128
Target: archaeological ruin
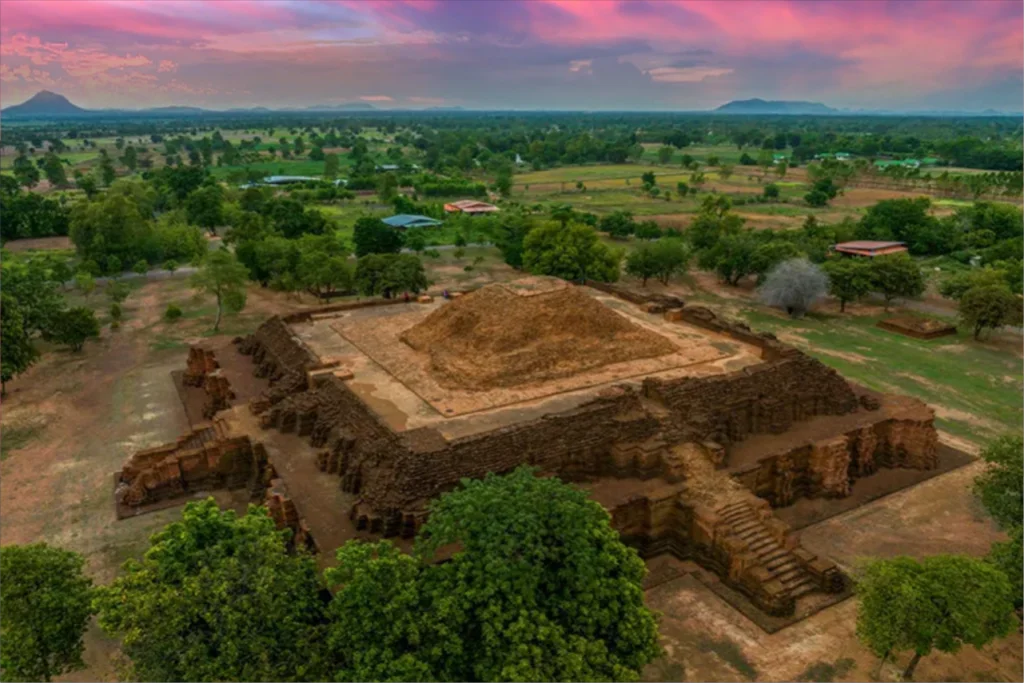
x=689, y=429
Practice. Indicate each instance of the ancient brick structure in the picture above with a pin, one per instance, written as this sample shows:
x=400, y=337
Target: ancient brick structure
x=690, y=463
x=766, y=434
x=203, y=460
x=203, y=370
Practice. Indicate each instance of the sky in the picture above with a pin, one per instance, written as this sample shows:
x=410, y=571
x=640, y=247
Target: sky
x=515, y=54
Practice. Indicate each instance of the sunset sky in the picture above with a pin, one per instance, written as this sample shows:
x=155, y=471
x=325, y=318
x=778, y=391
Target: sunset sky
x=522, y=54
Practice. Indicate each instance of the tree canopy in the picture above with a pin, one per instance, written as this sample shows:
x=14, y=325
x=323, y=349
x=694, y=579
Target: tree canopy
x=218, y=597
x=942, y=602
x=46, y=602
x=572, y=252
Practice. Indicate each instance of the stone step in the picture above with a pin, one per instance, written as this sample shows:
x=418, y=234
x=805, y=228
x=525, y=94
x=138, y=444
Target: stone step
x=801, y=589
x=737, y=514
x=754, y=536
x=744, y=524
x=760, y=543
x=791, y=575
x=778, y=563
x=774, y=556
x=768, y=549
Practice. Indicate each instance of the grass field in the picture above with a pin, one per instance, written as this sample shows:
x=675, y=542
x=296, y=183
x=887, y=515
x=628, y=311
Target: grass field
x=975, y=388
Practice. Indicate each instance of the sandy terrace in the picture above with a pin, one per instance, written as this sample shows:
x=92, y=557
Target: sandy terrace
x=396, y=381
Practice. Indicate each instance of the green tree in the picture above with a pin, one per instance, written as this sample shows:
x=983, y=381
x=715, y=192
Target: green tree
x=130, y=158
x=503, y=182
x=373, y=236
x=618, y=224
x=941, y=603
x=117, y=291
x=107, y=172
x=572, y=253
x=648, y=230
x=26, y=173
x=416, y=240
x=771, y=191
x=46, y=607
x=540, y=587
x=955, y=286
x=19, y=353
x=140, y=267
x=896, y=275
x=733, y=257
x=849, y=279
x=331, y=165
x=323, y=266
x=641, y=263
x=389, y=274
x=725, y=171
x=87, y=184
x=1000, y=487
x=53, y=167
x=665, y=154
x=387, y=187
x=223, y=277
x=205, y=207
x=989, y=306
x=85, y=283
x=1007, y=557
x=73, y=327
x=218, y=597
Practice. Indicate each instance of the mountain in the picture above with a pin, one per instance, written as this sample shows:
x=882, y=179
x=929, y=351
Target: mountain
x=44, y=104
x=759, y=106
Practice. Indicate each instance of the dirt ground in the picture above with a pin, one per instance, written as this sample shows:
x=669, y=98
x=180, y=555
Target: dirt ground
x=87, y=412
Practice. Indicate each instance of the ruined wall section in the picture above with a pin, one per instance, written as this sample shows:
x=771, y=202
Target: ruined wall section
x=201, y=460
x=572, y=444
x=280, y=356
x=903, y=436
x=765, y=398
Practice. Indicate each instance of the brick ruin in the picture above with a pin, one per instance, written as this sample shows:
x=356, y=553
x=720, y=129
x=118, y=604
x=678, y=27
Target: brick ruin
x=689, y=465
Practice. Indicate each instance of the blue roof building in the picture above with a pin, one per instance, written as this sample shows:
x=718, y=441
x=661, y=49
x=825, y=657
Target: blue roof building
x=405, y=220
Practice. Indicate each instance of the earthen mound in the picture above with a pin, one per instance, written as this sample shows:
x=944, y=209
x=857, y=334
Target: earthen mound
x=494, y=337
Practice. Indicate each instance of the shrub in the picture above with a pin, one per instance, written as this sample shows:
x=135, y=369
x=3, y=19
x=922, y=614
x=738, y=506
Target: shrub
x=172, y=313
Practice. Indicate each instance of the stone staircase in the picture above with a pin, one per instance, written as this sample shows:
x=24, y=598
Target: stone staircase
x=773, y=560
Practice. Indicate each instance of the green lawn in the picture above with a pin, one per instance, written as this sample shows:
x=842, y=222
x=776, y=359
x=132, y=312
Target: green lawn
x=975, y=388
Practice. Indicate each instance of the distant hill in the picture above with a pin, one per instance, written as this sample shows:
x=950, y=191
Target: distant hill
x=759, y=106
x=44, y=104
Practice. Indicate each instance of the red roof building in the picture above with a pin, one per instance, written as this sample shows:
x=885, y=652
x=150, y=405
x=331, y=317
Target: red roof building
x=870, y=248
x=470, y=206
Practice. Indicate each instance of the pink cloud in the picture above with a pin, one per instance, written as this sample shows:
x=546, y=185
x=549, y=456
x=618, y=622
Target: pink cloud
x=376, y=98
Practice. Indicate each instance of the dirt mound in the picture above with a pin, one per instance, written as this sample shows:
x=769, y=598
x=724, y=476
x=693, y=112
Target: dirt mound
x=494, y=337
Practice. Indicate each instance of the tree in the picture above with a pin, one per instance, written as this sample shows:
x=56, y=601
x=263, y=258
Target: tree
x=771, y=191
x=1007, y=557
x=641, y=263
x=959, y=284
x=73, y=327
x=373, y=236
x=130, y=158
x=415, y=240
x=1000, y=486
x=665, y=154
x=223, y=277
x=724, y=171
x=140, y=267
x=205, y=207
x=47, y=605
x=713, y=160
x=648, y=178
x=323, y=265
x=781, y=168
x=218, y=597
x=19, y=353
x=896, y=275
x=87, y=184
x=85, y=283
x=571, y=253
x=117, y=291
x=618, y=224
x=387, y=187
x=849, y=279
x=942, y=603
x=540, y=588
x=107, y=172
x=53, y=167
x=331, y=165
x=794, y=285
x=989, y=306
x=682, y=188
x=648, y=230
x=26, y=173
x=503, y=182
x=389, y=274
